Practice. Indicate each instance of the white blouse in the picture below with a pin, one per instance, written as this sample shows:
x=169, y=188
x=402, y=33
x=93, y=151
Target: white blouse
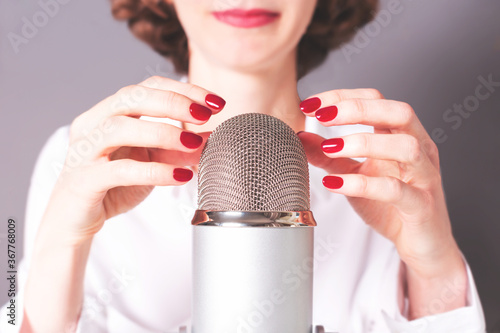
x=138, y=277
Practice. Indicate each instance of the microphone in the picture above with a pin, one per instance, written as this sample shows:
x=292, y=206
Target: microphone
x=253, y=233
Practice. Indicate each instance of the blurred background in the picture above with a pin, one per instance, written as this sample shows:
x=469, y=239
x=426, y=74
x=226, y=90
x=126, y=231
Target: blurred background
x=56, y=62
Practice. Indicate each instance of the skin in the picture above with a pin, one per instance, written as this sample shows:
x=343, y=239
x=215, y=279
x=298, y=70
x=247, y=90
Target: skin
x=397, y=190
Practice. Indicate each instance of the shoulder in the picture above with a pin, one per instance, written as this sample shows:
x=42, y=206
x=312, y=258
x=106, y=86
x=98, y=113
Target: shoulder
x=51, y=158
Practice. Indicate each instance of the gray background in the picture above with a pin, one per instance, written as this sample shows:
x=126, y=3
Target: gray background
x=430, y=55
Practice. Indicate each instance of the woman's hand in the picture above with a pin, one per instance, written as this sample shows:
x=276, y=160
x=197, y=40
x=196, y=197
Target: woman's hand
x=397, y=190
x=115, y=159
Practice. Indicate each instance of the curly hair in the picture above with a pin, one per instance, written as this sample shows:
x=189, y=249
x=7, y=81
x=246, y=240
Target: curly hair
x=334, y=22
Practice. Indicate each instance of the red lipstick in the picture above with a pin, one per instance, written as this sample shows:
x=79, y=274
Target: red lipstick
x=246, y=18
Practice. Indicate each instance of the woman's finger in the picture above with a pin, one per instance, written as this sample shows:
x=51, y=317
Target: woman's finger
x=383, y=114
x=155, y=97
x=130, y=132
x=126, y=172
x=315, y=156
x=194, y=92
x=402, y=148
x=137, y=100
x=385, y=189
x=315, y=102
x=177, y=157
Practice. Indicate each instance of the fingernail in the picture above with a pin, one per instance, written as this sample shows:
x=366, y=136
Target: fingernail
x=215, y=101
x=332, y=145
x=333, y=182
x=200, y=112
x=300, y=132
x=182, y=175
x=310, y=105
x=191, y=140
x=327, y=114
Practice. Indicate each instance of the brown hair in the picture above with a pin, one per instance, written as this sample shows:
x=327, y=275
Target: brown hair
x=334, y=22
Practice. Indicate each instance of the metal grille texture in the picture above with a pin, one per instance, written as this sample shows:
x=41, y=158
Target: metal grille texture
x=253, y=162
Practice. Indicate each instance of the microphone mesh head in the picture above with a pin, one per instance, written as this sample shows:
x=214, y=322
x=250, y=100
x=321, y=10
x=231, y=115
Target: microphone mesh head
x=253, y=162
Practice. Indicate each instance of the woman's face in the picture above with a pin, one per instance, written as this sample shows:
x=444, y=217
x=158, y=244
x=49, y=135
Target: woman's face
x=246, y=35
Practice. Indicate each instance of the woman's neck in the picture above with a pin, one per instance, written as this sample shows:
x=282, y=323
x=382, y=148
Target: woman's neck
x=272, y=91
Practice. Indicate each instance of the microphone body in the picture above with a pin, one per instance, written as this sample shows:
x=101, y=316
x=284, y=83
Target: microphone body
x=252, y=279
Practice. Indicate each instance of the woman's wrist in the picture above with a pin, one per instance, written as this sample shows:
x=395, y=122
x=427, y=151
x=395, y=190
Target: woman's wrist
x=437, y=287
x=67, y=222
x=436, y=261
x=55, y=280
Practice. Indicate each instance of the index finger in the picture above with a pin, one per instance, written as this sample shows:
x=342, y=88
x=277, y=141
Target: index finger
x=194, y=92
x=399, y=117
x=315, y=102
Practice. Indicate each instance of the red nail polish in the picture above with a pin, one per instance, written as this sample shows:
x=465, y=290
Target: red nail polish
x=310, y=105
x=327, y=114
x=332, y=145
x=333, y=182
x=182, y=175
x=200, y=112
x=215, y=101
x=191, y=140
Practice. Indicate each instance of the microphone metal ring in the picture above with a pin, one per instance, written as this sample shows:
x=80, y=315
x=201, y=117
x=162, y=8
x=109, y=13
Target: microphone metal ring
x=253, y=219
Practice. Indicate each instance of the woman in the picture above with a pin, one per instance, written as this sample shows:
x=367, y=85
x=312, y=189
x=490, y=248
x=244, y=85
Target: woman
x=389, y=263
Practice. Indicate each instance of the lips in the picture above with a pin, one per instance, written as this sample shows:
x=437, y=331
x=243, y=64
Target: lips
x=246, y=18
